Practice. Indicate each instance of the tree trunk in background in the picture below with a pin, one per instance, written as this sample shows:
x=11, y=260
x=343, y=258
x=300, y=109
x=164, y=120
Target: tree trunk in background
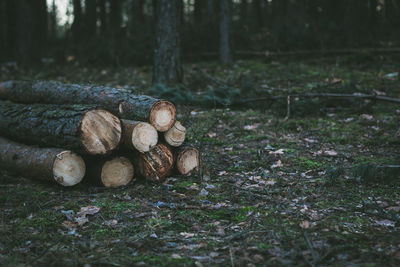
x=167, y=55
x=243, y=11
x=258, y=11
x=138, y=16
x=31, y=29
x=198, y=12
x=115, y=17
x=53, y=21
x=90, y=17
x=224, y=32
x=3, y=28
x=102, y=15
x=11, y=27
x=77, y=24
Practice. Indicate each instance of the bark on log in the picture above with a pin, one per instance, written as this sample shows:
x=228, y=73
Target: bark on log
x=176, y=135
x=156, y=164
x=95, y=131
x=160, y=113
x=141, y=136
x=109, y=172
x=187, y=160
x=47, y=164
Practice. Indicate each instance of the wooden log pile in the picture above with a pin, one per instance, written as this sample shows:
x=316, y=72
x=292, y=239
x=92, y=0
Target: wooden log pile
x=67, y=133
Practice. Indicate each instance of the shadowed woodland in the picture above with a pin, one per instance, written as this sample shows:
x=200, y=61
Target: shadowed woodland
x=294, y=106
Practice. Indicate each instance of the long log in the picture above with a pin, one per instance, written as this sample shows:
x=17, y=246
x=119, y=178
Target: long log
x=141, y=136
x=176, y=135
x=156, y=164
x=187, y=160
x=160, y=113
x=113, y=171
x=48, y=164
x=84, y=128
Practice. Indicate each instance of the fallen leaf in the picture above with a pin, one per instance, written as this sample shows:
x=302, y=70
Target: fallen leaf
x=387, y=223
x=203, y=192
x=89, y=210
x=187, y=235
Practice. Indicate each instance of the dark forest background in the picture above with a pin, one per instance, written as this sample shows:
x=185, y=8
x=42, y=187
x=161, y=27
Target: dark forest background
x=123, y=32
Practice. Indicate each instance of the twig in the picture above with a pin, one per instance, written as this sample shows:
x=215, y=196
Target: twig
x=383, y=98
x=288, y=103
x=231, y=256
x=313, y=253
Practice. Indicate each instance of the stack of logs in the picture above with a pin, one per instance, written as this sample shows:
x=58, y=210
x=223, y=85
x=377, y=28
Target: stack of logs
x=67, y=132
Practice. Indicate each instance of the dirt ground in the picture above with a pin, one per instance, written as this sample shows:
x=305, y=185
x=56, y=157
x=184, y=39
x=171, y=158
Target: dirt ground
x=309, y=190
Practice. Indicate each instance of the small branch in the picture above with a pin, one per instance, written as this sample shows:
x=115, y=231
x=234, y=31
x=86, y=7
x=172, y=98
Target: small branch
x=382, y=98
x=288, y=104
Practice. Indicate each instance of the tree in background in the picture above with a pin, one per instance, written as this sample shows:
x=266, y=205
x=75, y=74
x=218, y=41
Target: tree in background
x=167, y=67
x=224, y=32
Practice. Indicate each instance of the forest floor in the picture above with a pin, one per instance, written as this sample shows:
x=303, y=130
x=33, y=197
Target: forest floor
x=309, y=190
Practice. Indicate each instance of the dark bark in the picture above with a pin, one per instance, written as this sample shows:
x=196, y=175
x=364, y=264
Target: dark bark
x=131, y=107
x=51, y=125
x=41, y=163
x=167, y=53
x=224, y=32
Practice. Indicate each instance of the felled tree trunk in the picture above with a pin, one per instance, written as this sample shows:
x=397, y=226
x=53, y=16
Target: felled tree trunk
x=48, y=164
x=95, y=131
x=176, y=135
x=160, y=113
x=187, y=160
x=141, y=136
x=156, y=164
x=109, y=172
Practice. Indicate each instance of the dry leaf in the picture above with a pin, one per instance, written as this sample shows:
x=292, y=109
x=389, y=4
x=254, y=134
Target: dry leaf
x=277, y=152
x=277, y=164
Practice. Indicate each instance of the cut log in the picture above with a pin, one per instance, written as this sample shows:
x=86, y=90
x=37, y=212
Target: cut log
x=156, y=164
x=95, y=131
x=110, y=172
x=187, y=160
x=160, y=113
x=141, y=136
x=176, y=135
x=48, y=164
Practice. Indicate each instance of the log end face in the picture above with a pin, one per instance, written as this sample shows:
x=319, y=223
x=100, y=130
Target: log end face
x=68, y=168
x=117, y=172
x=162, y=115
x=144, y=137
x=156, y=164
x=100, y=132
x=176, y=135
x=188, y=161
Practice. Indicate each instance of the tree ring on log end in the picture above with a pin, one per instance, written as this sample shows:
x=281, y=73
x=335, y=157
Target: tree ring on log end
x=68, y=168
x=100, y=132
x=162, y=115
x=144, y=137
x=117, y=172
x=188, y=160
x=176, y=135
